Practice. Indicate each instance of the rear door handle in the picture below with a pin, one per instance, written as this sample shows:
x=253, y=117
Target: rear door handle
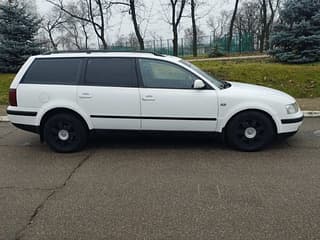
x=148, y=98
x=85, y=95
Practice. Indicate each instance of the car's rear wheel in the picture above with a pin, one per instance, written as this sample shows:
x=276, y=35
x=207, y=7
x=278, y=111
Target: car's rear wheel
x=250, y=131
x=65, y=133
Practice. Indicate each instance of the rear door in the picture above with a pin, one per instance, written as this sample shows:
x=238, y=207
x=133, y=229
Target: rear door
x=109, y=93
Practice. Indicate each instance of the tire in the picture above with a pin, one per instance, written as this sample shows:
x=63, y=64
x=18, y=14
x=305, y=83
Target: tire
x=65, y=133
x=250, y=131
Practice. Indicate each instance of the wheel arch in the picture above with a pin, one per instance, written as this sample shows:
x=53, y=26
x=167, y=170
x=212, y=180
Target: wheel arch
x=274, y=122
x=57, y=110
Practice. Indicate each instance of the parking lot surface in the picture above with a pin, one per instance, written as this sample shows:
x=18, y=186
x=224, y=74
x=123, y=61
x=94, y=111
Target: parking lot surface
x=159, y=187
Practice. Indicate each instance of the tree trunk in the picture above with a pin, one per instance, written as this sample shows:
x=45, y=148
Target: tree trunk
x=194, y=29
x=86, y=37
x=175, y=41
x=104, y=43
x=54, y=45
x=270, y=22
x=263, y=25
x=135, y=24
x=234, y=15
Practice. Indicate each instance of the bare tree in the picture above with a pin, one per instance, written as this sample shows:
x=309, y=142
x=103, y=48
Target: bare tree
x=50, y=24
x=263, y=17
x=127, y=41
x=176, y=7
x=194, y=28
x=248, y=21
x=267, y=20
x=76, y=29
x=218, y=25
x=274, y=6
x=96, y=13
x=234, y=15
x=132, y=5
x=195, y=16
x=189, y=36
x=256, y=18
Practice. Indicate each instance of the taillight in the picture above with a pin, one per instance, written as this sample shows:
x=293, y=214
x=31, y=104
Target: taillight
x=13, y=97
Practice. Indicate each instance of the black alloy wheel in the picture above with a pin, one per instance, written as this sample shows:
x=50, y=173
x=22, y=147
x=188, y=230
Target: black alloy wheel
x=65, y=133
x=250, y=131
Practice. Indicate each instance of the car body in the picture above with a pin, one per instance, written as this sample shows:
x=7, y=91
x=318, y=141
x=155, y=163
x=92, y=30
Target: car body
x=143, y=92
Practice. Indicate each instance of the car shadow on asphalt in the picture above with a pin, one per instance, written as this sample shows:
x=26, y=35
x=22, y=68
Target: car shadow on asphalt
x=206, y=141
x=156, y=140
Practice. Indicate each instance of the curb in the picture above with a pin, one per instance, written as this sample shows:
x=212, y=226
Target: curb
x=4, y=119
x=311, y=114
x=307, y=114
x=229, y=58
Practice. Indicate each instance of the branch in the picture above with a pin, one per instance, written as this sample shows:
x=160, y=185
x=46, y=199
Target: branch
x=62, y=8
x=120, y=3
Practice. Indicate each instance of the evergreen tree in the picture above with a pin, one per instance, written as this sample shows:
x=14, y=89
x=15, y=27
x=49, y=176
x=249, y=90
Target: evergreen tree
x=18, y=29
x=296, y=39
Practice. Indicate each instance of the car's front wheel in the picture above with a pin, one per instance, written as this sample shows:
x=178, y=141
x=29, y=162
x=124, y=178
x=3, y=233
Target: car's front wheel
x=250, y=131
x=65, y=133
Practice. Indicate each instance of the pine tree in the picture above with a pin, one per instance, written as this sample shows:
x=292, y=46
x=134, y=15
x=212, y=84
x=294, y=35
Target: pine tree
x=18, y=29
x=296, y=39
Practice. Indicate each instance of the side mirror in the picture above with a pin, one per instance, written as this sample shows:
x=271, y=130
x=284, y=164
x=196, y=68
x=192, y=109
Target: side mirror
x=199, y=84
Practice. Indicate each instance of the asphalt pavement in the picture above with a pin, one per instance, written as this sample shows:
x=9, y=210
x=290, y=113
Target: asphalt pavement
x=160, y=187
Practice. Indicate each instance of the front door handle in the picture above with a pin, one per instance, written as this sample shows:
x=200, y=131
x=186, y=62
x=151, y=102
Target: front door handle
x=148, y=98
x=85, y=95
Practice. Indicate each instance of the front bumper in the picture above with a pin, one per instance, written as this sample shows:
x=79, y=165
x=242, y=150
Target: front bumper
x=291, y=125
x=292, y=120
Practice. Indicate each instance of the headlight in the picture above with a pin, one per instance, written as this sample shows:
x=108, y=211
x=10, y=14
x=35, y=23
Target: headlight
x=292, y=108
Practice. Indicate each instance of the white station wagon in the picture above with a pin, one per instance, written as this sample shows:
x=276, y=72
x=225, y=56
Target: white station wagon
x=65, y=96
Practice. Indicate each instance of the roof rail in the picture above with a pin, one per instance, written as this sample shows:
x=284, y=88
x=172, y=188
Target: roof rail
x=88, y=51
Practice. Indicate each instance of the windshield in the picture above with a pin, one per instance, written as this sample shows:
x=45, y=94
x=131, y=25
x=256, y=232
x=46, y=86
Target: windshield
x=220, y=84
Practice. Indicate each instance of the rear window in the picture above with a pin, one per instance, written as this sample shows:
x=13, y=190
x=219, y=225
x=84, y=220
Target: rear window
x=53, y=71
x=111, y=72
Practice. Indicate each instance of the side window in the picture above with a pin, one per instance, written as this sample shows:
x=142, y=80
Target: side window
x=111, y=72
x=54, y=71
x=160, y=74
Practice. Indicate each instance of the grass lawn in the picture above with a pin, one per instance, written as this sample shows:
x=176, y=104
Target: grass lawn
x=5, y=81
x=300, y=81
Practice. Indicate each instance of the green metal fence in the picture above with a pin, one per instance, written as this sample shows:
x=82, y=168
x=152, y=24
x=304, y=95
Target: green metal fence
x=240, y=44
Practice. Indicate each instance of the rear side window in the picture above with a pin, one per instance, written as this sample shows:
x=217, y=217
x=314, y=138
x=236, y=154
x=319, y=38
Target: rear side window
x=111, y=72
x=54, y=71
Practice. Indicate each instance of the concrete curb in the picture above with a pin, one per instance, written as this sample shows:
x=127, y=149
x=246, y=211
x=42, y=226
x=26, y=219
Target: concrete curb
x=229, y=58
x=307, y=114
x=311, y=114
x=4, y=119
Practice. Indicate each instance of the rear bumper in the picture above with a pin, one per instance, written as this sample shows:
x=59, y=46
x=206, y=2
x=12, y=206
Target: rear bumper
x=28, y=128
x=22, y=118
x=21, y=113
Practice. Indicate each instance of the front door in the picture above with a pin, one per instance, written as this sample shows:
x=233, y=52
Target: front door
x=170, y=103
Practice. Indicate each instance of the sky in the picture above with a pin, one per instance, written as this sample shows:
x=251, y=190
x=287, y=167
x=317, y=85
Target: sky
x=156, y=27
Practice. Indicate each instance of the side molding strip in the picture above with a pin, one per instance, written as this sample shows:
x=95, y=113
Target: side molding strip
x=155, y=118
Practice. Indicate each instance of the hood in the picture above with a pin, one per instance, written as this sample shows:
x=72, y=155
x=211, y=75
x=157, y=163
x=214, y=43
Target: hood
x=255, y=91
